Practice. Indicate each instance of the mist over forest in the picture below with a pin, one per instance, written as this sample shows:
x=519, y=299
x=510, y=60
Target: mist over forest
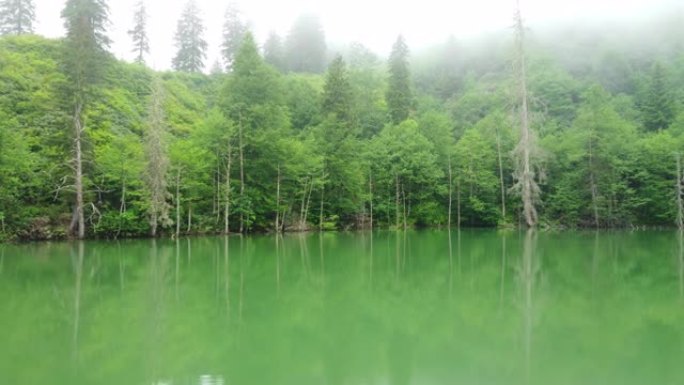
x=576, y=124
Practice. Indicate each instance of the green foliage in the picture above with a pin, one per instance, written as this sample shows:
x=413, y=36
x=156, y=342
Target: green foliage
x=399, y=95
x=306, y=151
x=192, y=48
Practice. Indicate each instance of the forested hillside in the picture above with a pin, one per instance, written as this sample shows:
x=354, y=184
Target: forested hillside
x=418, y=140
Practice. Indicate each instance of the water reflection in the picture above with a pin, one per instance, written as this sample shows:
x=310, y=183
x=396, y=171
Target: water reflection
x=372, y=308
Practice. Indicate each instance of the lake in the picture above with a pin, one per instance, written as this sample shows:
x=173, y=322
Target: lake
x=418, y=307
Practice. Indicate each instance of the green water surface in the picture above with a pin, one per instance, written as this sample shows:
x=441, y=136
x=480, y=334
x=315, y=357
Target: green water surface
x=428, y=307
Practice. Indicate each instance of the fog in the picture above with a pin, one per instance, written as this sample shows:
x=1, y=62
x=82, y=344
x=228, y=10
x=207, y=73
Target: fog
x=373, y=23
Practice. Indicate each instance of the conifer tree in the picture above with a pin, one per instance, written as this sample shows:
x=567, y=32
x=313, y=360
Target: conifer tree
x=141, y=43
x=657, y=107
x=399, y=96
x=274, y=52
x=192, y=48
x=305, y=46
x=17, y=17
x=234, y=29
x=84, y=56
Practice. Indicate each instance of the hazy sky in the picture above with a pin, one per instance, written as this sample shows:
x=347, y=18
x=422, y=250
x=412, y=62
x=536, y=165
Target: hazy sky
x=375, y=23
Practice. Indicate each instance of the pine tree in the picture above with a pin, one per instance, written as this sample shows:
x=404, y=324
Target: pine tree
x=141, y=43
x=234, y=30
x=192, y=48
x=399, y=96
x=85, y=53
x=17, y=17
x=274, y=52
x=305, y=46
x=657, y=107
x=337, y=92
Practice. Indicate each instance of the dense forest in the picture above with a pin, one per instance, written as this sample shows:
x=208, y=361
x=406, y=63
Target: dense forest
x=289, y=135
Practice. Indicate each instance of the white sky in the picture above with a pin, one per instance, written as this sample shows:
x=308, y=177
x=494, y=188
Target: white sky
x=375, y=23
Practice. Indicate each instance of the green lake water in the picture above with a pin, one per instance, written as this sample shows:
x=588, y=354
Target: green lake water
x=424, y=307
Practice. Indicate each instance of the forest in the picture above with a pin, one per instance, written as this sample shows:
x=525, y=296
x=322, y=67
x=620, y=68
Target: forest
x=563, y=127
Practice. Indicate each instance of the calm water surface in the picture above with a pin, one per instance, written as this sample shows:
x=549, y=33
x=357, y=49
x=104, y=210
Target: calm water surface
x=470, y=307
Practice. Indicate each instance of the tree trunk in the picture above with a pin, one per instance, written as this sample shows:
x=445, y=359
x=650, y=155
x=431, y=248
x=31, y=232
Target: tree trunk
x=178, y=175
x=451, y=188
x=592, y=181
x=396, y=200
x=458, y=203
x=320, y=219
x=370, y=189
x=501, y=177
x=277, y=219
x=189, y=217
x=242, y=176
x=678, y=189
x=78, y=132
x=226, y=213
x=524, y=172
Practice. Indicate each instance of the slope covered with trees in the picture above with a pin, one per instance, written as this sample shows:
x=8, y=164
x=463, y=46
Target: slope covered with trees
x=428, y=138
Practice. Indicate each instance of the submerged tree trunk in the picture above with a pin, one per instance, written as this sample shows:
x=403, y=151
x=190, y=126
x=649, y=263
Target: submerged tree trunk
x=524, y=173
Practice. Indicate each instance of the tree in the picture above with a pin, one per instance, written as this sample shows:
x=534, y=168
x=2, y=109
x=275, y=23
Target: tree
x=305, y=46
x=274, y=52
x=399, y=95
x=254, y=100
x=234, y=29
x=141, y=43
x=192, y=48
x=338, y=99
x=17, y=17
x=657, y=102
x=157, y=161
x=85, y=52
x=526, y=151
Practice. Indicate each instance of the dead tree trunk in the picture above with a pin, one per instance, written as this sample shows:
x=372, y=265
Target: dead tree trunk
x=524, y=173
x=78, y=157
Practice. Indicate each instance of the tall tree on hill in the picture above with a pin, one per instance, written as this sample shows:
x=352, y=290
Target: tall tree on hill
x=274, y=52
x=141, y=43
x=305, y=46
x=399, y=95
x=17, y=17
x=234, y=29
x=85, y=53
x=192, y=48
x=657, y=105
x=338, y=143
x=525, y=152
x=157, y=161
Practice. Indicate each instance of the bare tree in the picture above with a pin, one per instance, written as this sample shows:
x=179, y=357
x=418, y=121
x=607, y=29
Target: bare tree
x=157, y=160
x=526, y=149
